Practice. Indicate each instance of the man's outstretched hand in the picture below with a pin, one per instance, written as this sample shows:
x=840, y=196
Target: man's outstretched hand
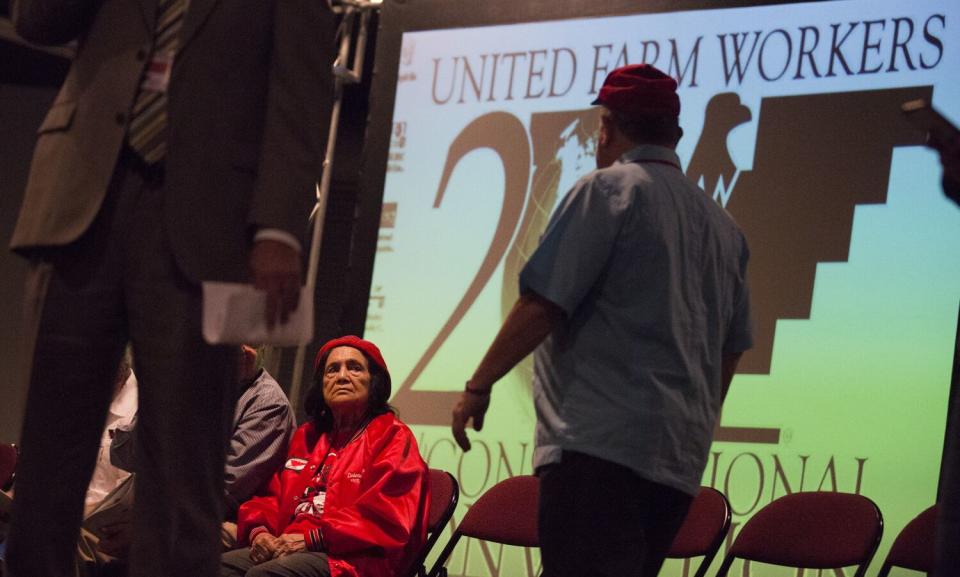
x=470, y=406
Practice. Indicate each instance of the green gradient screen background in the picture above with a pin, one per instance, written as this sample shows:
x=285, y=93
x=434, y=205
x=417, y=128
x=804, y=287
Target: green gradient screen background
x=856, y=389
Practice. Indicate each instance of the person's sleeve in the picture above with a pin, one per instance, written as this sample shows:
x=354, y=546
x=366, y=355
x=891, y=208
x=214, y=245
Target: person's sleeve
x=385, y=515
x=263, y=511
x=257, y=447
x=577, y=244
x=260, y=513
x=299, y=102
x=52, y=21
x=740, y=332
x=280, y=236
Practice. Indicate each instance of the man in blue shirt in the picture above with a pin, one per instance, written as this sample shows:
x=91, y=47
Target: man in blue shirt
x=637, y=304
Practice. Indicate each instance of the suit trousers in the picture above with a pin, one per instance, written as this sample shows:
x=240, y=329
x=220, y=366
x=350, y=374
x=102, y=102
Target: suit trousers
x=119, y=283
x=600, y=519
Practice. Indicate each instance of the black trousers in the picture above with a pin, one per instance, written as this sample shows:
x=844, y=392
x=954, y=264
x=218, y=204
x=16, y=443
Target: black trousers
x=598, y=518
x=85, y=301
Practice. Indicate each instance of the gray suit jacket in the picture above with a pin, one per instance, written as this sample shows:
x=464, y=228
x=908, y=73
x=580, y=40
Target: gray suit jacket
x=248, y=107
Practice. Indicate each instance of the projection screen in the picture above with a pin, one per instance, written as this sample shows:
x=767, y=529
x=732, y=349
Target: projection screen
x=481, y=122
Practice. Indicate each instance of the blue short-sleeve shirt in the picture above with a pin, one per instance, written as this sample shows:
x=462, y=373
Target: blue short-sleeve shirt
x=651, y=274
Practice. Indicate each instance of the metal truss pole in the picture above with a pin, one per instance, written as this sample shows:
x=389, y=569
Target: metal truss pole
x=345, y=71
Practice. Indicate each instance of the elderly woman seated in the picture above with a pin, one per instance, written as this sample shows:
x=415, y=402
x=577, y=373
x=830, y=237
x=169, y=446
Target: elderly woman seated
x=351, y=498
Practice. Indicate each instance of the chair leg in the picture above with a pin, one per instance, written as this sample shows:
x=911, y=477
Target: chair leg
x=438, y=569
x=725, y=566
x=705, y=563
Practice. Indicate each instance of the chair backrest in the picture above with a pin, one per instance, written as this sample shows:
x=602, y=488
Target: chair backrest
x=506, y=513
x=704, y=529
x=914, y=547
x=814, y=530
x=8, y=464
x=444, y=494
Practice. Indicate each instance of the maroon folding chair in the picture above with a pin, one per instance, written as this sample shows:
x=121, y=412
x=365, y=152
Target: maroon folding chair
x=506, y=513
x=812, y=530
x=704, y=529
x=914, y=547
x=444, y=494
x=8, y=465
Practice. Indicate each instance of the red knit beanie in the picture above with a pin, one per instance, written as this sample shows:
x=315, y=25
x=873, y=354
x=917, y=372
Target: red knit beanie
x=639, y=90
x=356, y=342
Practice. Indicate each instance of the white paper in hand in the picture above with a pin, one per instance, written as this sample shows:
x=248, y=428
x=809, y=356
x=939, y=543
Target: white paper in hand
x=235, y=314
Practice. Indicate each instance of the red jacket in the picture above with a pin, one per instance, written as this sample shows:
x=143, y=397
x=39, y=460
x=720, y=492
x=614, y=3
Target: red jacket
x=374, y=516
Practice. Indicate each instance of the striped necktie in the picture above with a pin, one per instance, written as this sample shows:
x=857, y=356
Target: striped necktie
x=147, y=132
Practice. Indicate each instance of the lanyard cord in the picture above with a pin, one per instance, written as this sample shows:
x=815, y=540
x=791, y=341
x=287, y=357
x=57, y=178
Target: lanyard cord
x=321, y=473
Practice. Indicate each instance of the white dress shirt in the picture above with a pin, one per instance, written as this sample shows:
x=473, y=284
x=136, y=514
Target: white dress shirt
x=106, y=477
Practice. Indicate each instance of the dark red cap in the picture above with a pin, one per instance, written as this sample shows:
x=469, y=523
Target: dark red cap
x=356, y=342
x=639, y=90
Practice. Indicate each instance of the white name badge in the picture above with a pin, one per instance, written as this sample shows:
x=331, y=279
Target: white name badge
x=295, y=464
x=158, y=72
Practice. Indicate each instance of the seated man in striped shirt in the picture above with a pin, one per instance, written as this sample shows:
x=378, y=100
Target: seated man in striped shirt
x=262, y=426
